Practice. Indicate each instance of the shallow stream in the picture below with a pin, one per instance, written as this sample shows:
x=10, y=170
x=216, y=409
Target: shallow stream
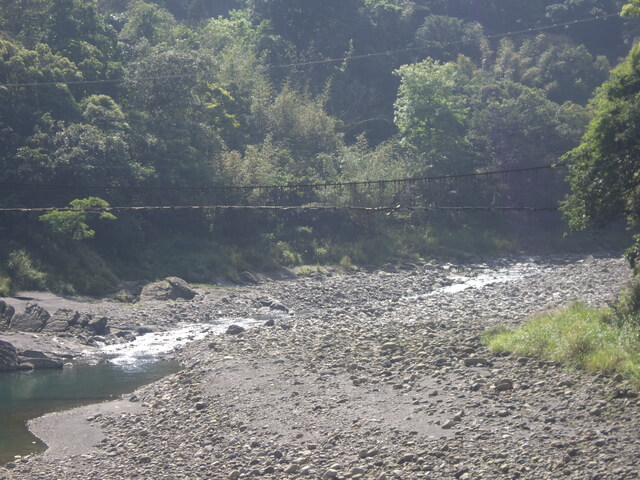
x=98, y=375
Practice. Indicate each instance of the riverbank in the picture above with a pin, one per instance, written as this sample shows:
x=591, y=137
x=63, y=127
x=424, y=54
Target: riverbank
x=378, y=374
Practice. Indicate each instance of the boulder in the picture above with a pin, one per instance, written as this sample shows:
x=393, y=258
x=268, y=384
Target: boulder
x=171, y=288
x=32, y=354
x=83, y=320
x=129, y=292
x=125, y=335
x=250, y=278
x=6, y=312
x=61, y=320
x=98, y=325
x=181, y=289
x=272, y=305
x=66, y=320
x=37, y=360
x=8, y=357
x=39, y=363
x=33, y=319
x=234, y=329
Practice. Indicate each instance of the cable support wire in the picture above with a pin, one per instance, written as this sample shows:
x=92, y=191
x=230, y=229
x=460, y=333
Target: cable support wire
x=291, y=186
x=326, y=60
x=388, y=210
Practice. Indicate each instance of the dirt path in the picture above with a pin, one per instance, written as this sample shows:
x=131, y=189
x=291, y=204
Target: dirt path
x=381, y=375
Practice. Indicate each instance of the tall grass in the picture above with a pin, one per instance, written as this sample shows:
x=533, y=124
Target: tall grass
x=578, y=336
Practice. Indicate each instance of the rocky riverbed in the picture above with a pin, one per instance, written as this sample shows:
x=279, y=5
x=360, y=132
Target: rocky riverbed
x=369, y=375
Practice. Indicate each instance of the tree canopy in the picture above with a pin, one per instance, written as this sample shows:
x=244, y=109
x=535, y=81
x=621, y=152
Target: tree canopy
x=145, y=101
x=605, y=167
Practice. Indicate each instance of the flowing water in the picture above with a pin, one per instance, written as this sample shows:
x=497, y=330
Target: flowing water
x=502, y=275
x=99, y=375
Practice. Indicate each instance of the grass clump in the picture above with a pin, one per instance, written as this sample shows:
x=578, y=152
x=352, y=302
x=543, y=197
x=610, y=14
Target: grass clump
x=310, y=270
x=578, y=336
x=346, y=264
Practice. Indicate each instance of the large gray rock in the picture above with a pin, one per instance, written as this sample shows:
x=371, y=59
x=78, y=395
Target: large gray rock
x=6, y=312
x=249, y=278
x=33, y=319
x=67, y=320
x=34, y=359
x=272, y=304
x=171, y=288
x=62, y=320
x=98, y=326
x=8, y=357
x=234, y=329
x=37, y=360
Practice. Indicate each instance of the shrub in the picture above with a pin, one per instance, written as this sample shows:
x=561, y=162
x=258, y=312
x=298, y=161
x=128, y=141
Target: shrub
x=626, y=310
x=5, y=286
x=345, y=263
x=286, y=256
x=24, y=272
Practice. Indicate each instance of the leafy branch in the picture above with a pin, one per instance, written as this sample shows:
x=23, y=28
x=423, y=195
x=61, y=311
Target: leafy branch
x=73, y=222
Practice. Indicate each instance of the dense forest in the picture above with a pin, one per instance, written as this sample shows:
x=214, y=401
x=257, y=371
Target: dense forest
x=190, y=102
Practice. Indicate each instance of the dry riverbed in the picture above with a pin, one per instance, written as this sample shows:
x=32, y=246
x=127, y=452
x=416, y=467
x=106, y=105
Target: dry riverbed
x=371, y=375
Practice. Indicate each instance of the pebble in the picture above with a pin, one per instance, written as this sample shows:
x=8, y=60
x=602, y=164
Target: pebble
x=379, y=378
x=503, y=385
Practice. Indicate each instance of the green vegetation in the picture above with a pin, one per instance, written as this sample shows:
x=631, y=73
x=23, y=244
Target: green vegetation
x=594, y=340
x=5, y=286
x=72, y=222
x=603, y=174
x=24, y=271
x=133, y=103
x=605, y=166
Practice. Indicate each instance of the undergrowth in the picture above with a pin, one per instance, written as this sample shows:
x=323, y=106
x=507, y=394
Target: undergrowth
x=132, y=250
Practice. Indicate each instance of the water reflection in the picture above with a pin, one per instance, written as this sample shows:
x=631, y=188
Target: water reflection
x=29, y=395
x=106, y=374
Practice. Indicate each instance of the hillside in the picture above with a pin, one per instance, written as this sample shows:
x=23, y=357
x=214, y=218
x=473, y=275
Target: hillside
x=114, y=103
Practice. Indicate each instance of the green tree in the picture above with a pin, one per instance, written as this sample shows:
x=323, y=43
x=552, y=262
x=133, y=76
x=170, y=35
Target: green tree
x=324, y=26
x=101, y=111
x=605, y=167
x=70, y=28
x=447, y=37
x=515, y=126
x=431, y=113
x=73, y=223
x=602, y=38
x=631, y=9
x=146, y=20
x=193, y=11
x=300, y=141
x=236, y=44
x=22, y=105
x=566, y=72
x=30, y=113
